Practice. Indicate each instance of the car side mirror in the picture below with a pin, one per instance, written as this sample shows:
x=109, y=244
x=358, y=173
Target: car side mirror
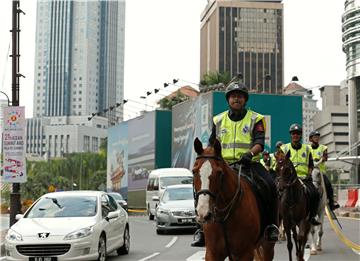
x=112, y=215
x=155, y=198
x=19, y=216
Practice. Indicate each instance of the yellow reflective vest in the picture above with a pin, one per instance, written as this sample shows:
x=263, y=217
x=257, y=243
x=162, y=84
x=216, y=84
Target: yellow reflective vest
x=300, y=158
x=236, y=136
x=272, y=161
x=317, y=155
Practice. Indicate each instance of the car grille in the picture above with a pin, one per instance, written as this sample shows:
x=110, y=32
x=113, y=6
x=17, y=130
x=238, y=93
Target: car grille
x=186, y=213
x=43, y=250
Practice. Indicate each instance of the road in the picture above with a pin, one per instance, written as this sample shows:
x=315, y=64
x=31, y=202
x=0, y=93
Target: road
x=147, y=245
x=4, y=221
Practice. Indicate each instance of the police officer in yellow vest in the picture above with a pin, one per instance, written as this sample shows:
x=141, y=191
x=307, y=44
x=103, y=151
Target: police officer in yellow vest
x=273, y=156
x=319, y=153
x=266, y=160
x=301, y=157
x=241, y=133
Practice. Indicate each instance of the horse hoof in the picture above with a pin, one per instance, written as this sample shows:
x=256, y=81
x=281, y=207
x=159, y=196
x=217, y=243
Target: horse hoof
x=313, y=252
x=319, y=248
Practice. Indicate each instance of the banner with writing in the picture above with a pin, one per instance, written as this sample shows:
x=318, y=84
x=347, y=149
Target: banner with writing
x=14, y=164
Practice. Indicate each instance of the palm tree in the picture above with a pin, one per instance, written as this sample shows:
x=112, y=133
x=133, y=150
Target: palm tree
x=212, y=78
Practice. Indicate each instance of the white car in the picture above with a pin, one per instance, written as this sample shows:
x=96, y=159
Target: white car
x=71, y=225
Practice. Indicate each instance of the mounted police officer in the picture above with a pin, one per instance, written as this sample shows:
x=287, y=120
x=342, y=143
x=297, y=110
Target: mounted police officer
x=301, y=157
x=266, y=160
x=320, y=155
x=241, y=133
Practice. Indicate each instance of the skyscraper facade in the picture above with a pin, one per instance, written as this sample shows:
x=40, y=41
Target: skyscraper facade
x=351, y=46
x=79, y=58
x=244, y=37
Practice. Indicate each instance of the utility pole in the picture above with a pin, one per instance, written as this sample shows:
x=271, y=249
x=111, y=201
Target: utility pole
x=15, y=204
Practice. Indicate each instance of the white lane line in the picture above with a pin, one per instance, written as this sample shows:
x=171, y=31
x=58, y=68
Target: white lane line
x=171, y=242
x=151, y=256
x=307, y=254
x=355, y=251
x=3, y=258
x=198, y=256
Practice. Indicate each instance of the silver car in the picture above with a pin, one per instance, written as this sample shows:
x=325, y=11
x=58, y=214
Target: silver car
x=176, y=209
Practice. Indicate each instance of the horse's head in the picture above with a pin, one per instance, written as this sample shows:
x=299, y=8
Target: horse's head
x=208, y=176
x=285, y=170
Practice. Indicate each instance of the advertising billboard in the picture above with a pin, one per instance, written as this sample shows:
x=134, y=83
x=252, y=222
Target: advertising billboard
x=190, y=119
x=117, y=159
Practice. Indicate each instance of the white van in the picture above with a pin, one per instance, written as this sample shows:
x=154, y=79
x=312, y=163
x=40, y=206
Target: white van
x=158, y=180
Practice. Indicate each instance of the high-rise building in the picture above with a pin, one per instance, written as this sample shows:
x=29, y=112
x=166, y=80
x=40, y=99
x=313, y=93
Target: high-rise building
x=333, y=124
x=309, y=108
x=244, y=36
x=351, y=46
x=79, y=58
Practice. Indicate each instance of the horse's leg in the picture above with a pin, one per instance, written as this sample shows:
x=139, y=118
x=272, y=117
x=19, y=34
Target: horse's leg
x=289, y=243
x=211, y=255
x=246, y=256
x=314, y=237
x=304, y=229
x=268, y=250
x=321, y=232
x=296, y=240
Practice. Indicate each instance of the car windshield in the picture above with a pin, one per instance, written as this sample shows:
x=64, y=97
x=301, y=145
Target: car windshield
x=178, y=194
x=168, y=181
x=116, y=196
x=68, y=206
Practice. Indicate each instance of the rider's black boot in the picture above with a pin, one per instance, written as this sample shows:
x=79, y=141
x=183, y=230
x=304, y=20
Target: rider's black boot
x=271, y=233
x=199, y=239
x=315, y=221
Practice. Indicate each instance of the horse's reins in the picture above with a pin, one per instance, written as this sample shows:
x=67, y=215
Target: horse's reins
x=228, y=209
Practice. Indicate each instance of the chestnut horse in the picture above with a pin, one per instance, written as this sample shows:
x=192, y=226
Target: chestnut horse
x=294, y=207
x=227, y=208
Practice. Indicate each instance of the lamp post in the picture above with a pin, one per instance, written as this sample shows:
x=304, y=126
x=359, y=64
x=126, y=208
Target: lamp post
x=15, y=204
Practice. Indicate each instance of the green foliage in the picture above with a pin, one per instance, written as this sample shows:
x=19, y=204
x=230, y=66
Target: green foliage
x=85, y=171
x=167, y=103
x=211, y=78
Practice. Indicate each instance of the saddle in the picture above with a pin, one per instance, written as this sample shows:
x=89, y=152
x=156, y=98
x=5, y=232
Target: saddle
x=262, y=191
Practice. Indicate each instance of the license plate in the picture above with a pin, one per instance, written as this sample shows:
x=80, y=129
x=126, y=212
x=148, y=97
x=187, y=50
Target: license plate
x=186, y=220
x=43, y=258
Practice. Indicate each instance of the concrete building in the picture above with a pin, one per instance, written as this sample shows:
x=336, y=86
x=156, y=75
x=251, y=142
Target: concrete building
x=50, y=137
x=309, y=107
x=246, y=37
x=351, y=46
x=333, y=124
x=79, y=58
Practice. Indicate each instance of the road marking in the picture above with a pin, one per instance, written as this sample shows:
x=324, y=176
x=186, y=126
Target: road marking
x=151, y=256
x=307, y=254
x=356, y=252
x=198, y=256
x=3, y=258
x=171, y=242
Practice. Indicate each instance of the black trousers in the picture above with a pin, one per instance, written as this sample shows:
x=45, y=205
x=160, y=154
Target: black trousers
x=313, y=197
x=329, y=190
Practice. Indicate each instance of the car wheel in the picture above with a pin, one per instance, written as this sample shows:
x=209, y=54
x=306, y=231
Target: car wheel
x=151, y=217
x=125, y=248
x=160, y=232
x=102, y=248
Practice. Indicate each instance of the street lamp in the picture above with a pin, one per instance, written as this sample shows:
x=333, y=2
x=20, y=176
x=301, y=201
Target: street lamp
x=8, y=100
x=266, y=78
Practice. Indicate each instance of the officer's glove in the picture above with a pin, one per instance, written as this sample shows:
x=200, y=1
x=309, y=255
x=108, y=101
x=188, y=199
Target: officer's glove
x=308, y=178
x=246, y=159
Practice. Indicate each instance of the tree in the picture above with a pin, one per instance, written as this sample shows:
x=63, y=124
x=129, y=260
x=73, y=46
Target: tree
x=212, y=78
x=168, y=103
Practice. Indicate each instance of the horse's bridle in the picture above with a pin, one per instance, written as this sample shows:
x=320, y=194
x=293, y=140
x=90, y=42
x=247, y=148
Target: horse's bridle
x=291, y=182
x=227, y=210
x=207, y=191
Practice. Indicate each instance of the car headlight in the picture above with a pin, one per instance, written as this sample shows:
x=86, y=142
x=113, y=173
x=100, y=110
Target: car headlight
x=13, y=236
x=84, y=232
x=163, y=211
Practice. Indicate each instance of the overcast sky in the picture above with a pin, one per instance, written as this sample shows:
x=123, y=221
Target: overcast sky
x=163, y=42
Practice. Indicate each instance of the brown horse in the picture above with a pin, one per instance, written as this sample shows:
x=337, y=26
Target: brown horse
x=227, y=208
x=294, y=207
